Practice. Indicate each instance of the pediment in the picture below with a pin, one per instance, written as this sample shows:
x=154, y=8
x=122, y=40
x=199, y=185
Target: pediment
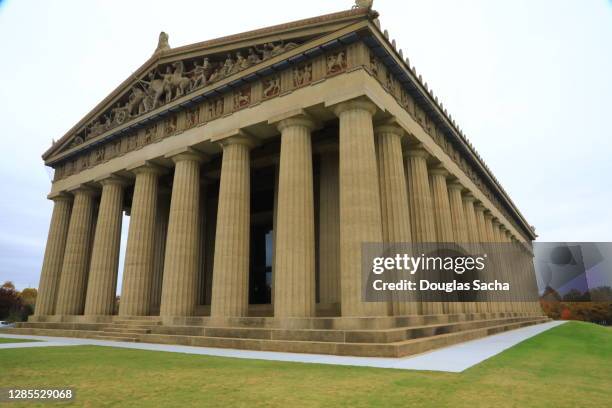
x=173, y=73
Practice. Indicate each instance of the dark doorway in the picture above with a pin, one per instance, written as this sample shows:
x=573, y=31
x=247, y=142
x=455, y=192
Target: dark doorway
x=262, y=210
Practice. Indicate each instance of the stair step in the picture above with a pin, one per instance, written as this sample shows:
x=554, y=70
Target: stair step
x=115, y=338
x=121, y=330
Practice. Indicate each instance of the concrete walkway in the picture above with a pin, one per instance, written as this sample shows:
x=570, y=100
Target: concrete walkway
x=455, y=358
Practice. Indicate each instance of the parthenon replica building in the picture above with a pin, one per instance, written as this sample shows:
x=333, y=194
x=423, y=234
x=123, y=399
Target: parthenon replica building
x=253, y=167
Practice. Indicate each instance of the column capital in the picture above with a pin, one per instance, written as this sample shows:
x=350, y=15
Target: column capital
x=296, y=117
x=488, y=215
x=478, y=206
x=469, y=197
x=186, y=154
x=455, y=185
x=389, y=126
x=495, y=222
x=416, y=150
x=300, y=120
x=147, y=167
x=360, y=103
x=439, y=170
x=237, y=137
x=112, y=179
x=59, y=196
x=83, y=189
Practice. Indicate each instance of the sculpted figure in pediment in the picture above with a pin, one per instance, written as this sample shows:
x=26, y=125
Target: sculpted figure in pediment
x=176, y=83
x=228, y=66
x=253, y=58
x=154, y=88
x=200, y=74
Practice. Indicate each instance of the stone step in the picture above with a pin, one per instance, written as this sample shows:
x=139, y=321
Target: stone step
x=126, y=330
x=394, y=349
x=114, y=338
x=344, y=336
x=137, y=322
x=149, y=318
x=398, y=349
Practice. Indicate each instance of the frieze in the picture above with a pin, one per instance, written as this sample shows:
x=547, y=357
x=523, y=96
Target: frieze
x=271, y=86
x=302, y=75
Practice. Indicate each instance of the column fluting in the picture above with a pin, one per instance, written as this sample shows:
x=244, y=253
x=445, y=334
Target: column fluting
x=54, y=255
x=103, y=269
x=421, y=212
x=294, y=280
x=139, y=254
x=179, y=287
x=395, y=214
x=329, y=228
x=231, y=262
x=73, y=282
x=360, y=213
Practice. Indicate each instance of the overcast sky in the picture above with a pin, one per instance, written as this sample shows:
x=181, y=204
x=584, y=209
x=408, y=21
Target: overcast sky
x=529, y=82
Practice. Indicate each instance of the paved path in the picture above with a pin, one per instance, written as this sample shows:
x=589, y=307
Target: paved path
x=452, y=359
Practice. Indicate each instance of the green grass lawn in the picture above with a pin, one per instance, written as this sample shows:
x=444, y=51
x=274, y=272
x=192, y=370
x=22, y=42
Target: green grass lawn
x=6, y=340
x=567, y=366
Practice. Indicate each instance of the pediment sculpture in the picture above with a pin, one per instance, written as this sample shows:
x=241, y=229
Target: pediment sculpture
x=170, y=81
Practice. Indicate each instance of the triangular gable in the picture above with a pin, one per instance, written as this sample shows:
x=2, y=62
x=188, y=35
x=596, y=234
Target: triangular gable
x=171, y=73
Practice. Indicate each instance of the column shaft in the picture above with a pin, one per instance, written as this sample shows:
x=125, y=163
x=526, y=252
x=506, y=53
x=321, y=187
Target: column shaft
x=360, y=214
x=73, y=282
x=179, y=287
x=161, y=232
x=231, y=263
x=54, y=255
x=294, y=290
x=102, y=284
x=329, y=229
x=486, y=275
x=393, y=198
x=444, y=225
x=458, y=218
x=139, y=254
x=421, y=211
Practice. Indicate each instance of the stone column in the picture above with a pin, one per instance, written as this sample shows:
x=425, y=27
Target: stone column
x=504, y=270
x=54, y=255
x=179, y=287
x=421, y=212
x=419, y=197
x=360, y=214
x=460, y=231
x=393, y=196
x=444, y=225
x=470, y=217
x=497, y=304
x=73, y=282
x=294, y=286
x=161, y=231
x=458, y=218
x=486, y=275
x=102, y=284
x=139, y=254
x=441, y=205
x=472, y=234
x=230, y=295
x=329, y=229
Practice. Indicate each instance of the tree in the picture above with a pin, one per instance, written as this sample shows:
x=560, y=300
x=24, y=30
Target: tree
x=28, y=296
x=10, y=302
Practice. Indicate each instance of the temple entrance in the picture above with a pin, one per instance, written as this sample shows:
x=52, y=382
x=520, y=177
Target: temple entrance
x=262, y=214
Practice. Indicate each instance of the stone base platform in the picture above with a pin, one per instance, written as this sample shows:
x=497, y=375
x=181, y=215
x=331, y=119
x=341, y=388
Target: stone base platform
x=367, y=337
